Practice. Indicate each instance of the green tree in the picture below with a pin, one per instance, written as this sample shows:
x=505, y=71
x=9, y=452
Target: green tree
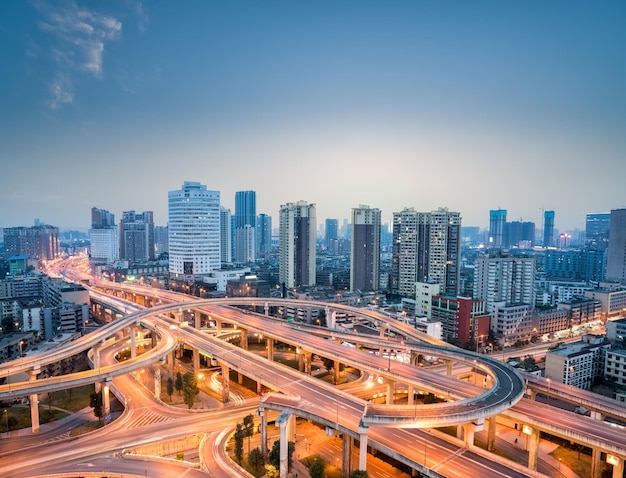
x=255, y=458
x=239, y=436
x=271, y=471
x=178, y=384
x=170, y=387
x=95, y=402
x=359, y=474
x=190, y=388
x=274, y=455
x=316, y=470
x=248, y=426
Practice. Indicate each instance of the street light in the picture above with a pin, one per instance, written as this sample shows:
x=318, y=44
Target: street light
x=21, y=344
x=6, y=417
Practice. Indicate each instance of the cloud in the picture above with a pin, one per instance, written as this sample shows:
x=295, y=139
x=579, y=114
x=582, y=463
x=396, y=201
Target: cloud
x=80, y=37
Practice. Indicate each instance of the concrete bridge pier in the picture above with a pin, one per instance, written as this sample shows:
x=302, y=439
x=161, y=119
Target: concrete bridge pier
x=308, y=356
x=225, y=383
x=132, y=331
x=618, y=467
x=491, y=434
x=106, y=396
x=196, y=359
x=282, y=422
x=595, y=462
x=533, y=447
x=336, y=371
x=157, y=382
x=34, y=401
x=263, y=425
x=362, y=447
x=346, y=455
x=244, y=339
x=270, y=349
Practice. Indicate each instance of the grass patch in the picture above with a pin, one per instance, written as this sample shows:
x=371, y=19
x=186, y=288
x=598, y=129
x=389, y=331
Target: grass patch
x=581, y=466
x=73, y=399
x=19, y=417
x=86, y=428
x=329, y=470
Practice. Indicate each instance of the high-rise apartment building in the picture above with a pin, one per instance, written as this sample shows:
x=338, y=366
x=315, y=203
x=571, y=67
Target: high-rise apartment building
x=101, y=218
x=500, y=277
x=331, y=234
x=616, y=253
x=426, y=248
x=104, y=238
x=548, y=229
x=137, y=236
x=365, y=244
x=194, y=231
x=296, y=266
x=497, y=222
x=597, y=230
x=245, y=223
x=225, y=236
x=41, y=242
x=263, y=234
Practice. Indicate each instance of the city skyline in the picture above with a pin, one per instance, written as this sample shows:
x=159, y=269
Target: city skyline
x=468, y=107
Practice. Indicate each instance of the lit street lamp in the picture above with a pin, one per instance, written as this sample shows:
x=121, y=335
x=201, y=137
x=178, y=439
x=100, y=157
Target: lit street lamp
x=6, y=418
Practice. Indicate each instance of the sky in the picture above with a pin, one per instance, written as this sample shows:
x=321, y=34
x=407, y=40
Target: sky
x=466, y=105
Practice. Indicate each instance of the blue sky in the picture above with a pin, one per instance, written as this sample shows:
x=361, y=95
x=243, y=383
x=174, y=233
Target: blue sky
x=466, y=105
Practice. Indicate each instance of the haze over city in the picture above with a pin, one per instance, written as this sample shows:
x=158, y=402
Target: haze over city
x=470, y=106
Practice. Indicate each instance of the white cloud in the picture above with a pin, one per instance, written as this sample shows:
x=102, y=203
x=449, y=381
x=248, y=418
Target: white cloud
x=81, y=35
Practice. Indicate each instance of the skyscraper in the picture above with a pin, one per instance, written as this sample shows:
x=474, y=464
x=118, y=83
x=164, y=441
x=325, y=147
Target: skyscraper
x=245, y=223
x=225, y=236
x=426, y=248
x=137, y=236
x=365, y=244
x=194, y=231
x=616, y=253
x=104, y=237
x=597, y=230
x=548, y=229
x=296, y=263
x=331, y=234
x=264, y=234
x=497, y=221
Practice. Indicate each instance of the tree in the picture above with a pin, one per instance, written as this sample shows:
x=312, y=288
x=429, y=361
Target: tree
x=190, y=388
x=316, y=470
x=178, y=384
x=274, y=456
x=271, y=471
x=95, y=402
x=255, y=458
x=248, y=426
x=170, y=387
x=359, y=474
x=239, y=436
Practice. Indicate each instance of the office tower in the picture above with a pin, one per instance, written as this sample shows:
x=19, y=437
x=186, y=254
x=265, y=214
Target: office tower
x=161, y=243
x=331, y=235
x=194, y=231
x=101, y=218
x=245, y=223
x=40, y=242
x=597, y=230
x=499, y=277
x=497, y=221
x=104, y=245
x=297, y=226
x=264, y=234
x=426, y=248
x=365, y=245
x=548, y=229
x=225, y=235
x=137, y=236
x=519, y=234
x=616, y=253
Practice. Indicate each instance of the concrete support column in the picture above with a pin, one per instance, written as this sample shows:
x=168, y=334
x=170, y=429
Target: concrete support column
x=491, y=434
x=533, y=448
x=244, y=339
x=449, y=365
x=300, y=354
x=170, y=362
x=336, y=371
x=266, y=309
x=132, y=331
x=618, y=468
x=390, y=390
x=218, y=326
x=531, y=394
x=597, y=415
x=283, y=423
x=259, y=387
x=595, y=462
x=263, y=426
x=410, y=395
x=196, y=359
x=459, y=432
x=157, y=382
x=414, y=358
x=292, y=428
x=468, y=434
x=270, y=349
x=307, y=362
x=240, y=378
x=346, y=455
x=225, y=383
x=34, y=402
x=362, y=448
x=106, y=397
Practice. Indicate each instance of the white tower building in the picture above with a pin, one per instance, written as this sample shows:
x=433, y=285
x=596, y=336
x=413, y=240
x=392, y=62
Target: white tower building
x=194, y=231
